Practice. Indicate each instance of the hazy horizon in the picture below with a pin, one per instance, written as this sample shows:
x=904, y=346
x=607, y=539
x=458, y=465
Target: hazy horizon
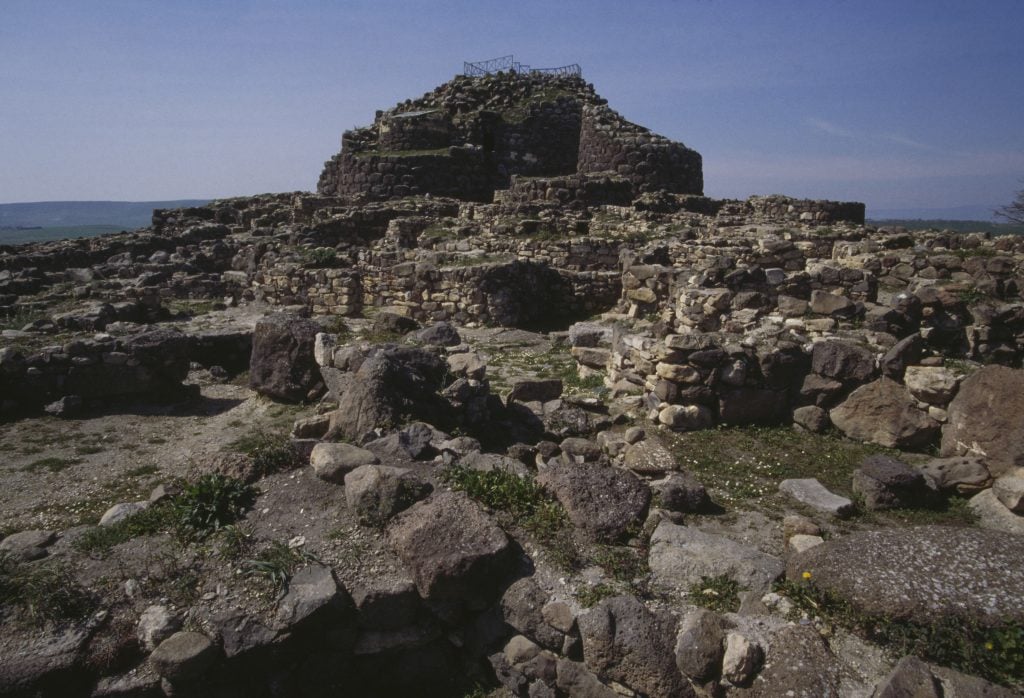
x=903, y=105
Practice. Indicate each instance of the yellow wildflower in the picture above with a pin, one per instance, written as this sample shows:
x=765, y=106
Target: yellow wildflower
x=806, y=575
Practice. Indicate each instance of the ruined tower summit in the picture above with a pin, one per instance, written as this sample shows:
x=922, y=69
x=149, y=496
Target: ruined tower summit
x=501, y=122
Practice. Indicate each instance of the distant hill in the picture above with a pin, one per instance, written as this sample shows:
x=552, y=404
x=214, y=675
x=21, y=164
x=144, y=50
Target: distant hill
x=958, y=226
x=123, y=215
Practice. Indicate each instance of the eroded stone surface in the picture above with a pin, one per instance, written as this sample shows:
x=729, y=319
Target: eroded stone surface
x=922, y=572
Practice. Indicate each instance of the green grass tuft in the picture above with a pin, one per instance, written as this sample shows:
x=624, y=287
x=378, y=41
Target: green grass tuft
x=720, y=594
x=38, y=593
x=993, y=652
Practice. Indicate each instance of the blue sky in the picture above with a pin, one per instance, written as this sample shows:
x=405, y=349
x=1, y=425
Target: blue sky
x=901, y=103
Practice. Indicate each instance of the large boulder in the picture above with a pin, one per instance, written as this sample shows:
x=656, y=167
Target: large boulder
x=282, y=365
x=378, y=492
x=884, y=412
x=921, y=573
x=458, y=556
x=601, y=500
x=625, y=642
x=391, y=385
x=985, y=418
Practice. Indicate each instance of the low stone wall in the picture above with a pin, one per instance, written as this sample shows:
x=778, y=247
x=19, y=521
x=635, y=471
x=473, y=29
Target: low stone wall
x=151, y=364
x=324, y=291
x=783, y=208
x=576, y=191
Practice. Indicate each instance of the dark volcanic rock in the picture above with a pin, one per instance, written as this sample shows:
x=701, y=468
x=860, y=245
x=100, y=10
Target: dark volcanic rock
x=602, y=501
x=282, y=364
x=884, y=412
x=985, y=418
x=625, y=642
x=392, y=383
x=457, y=555
x=843, y=361
x=922, y=573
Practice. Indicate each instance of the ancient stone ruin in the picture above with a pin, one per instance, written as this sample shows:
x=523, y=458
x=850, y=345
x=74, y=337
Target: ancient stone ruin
x=509, y=407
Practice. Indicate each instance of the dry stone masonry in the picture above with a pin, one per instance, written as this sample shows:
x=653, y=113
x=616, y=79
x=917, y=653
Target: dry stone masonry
x=501, y=326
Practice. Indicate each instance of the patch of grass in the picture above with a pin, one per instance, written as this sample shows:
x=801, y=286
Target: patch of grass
x=54, y=464
x=993, y=652
x=744, y=463
x=20, y=316
x=270, y=453
x=156, y=440
x=950, y=511
x=38, y=593
x=973, y=296
x=623, y=563
x=89, y=449
x=276, y=563
x=589, y=596
x=497, y=489
x=525, y=502
x=720, y=594
x=99, y=540
x=211, y=503
x=142, y=471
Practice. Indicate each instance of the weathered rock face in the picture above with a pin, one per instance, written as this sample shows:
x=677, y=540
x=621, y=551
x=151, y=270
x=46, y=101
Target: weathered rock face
x=883, y=412
x=391, y=383
x=985, y=418
x=681, y=555
x=922, y=573
x=282, y=364
x=458, y=556
x=625, y=642
x=603, y=501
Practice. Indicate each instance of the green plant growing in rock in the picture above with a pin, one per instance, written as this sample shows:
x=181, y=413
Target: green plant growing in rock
x=994, y=652
x=720, y=593
x=591, y=595
x=276, y=563
x=211, y=503
x=42, y=592
x=320, y=257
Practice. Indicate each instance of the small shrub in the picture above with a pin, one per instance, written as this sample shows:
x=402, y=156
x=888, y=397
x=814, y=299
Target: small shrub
x=322, y=257
x=211, y=503
x=42, y=592
x=720, y=594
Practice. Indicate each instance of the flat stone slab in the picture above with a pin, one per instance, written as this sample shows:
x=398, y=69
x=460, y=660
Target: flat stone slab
x=681, y=555
x=922, y=573
x=813, y=494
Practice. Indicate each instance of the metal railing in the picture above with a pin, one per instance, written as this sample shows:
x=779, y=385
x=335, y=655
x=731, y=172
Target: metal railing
x=510, y=65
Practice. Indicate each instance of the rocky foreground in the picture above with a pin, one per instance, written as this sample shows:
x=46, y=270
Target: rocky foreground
x=272, y=447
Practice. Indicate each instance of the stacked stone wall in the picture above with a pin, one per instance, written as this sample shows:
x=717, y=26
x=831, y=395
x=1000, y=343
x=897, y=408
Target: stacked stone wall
x=609, y=143
x=459, y=173
x=576, y=191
